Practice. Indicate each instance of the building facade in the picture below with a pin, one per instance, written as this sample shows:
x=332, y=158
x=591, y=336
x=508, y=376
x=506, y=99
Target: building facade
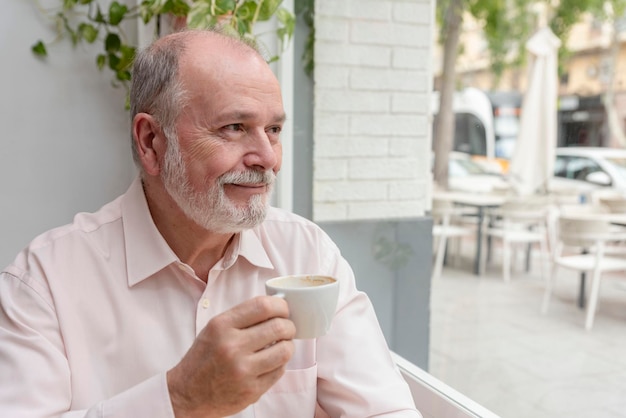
x=585, y=78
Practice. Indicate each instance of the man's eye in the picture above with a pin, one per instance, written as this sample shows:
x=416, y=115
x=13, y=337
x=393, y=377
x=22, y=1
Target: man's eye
x=275, y=129
x=234, y=127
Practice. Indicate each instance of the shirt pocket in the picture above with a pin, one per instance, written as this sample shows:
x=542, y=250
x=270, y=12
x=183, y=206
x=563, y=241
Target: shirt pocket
x=294, y=395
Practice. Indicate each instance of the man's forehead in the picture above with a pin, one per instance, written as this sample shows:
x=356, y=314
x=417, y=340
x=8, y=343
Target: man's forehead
x=267, y=113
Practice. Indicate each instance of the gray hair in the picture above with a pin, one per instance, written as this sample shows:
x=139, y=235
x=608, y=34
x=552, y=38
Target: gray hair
x=155, y=87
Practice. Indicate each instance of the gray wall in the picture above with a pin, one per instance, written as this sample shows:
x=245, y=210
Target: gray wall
x=391, y=260
x=303, y=129
x=65, y=144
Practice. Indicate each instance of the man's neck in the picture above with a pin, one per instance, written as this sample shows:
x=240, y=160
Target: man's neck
x=194, y=245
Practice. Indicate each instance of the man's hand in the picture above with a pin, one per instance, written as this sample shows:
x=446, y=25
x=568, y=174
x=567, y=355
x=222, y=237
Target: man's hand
x=236, y=358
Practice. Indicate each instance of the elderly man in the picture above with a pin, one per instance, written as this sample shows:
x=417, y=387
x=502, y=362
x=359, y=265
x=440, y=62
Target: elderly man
x=154, y=306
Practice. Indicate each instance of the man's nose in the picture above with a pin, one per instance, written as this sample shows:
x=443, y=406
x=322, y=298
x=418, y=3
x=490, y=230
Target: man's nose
x=264, y=153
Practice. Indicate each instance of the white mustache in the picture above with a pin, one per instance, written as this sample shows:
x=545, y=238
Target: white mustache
x=248, y=177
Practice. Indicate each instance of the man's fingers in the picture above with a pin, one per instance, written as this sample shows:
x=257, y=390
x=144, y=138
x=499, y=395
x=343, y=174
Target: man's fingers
x=253, y=325
x=273, y=358
x=269, y=332
x=255, y=311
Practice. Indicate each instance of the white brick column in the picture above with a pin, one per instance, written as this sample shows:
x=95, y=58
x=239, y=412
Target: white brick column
x=373, y=79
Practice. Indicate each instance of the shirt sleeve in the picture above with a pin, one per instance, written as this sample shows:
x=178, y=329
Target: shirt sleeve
x=357, y=376
x=35, y=379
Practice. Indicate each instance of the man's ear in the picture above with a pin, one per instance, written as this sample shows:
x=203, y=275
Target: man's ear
x=150, y=142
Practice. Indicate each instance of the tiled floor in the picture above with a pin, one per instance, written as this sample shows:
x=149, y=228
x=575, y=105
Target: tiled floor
x=490, y=342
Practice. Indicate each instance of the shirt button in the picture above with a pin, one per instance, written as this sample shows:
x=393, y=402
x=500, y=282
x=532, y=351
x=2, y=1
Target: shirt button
x=182, y=267
x=205, y=303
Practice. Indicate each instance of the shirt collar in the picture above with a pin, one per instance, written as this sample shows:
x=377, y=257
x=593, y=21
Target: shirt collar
x=146, y=250
x=248, y=245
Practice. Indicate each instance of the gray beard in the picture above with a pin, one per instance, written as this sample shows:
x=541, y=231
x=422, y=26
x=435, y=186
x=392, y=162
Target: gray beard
x=213, y=210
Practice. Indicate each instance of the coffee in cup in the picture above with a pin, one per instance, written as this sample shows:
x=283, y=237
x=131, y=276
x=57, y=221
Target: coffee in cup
x=312, y=301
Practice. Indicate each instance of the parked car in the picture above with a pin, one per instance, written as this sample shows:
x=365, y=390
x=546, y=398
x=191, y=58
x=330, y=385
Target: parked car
x=465, y=174
x=589, y=168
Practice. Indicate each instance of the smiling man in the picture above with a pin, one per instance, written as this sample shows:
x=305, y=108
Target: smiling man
x=154, y=306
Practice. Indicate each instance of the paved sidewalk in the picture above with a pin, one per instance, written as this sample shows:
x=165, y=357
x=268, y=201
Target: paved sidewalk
x=490, y=342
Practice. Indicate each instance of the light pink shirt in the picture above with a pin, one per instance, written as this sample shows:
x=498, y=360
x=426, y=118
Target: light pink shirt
x=92, y=315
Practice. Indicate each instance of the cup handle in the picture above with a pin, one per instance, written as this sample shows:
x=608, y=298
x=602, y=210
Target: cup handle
x=278, y=295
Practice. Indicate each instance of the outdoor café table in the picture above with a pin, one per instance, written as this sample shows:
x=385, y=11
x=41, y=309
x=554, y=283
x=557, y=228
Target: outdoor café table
x=480, y=201
x=615, y=219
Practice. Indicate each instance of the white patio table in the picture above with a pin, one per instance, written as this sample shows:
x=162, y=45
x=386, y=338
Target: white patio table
x=480, y=201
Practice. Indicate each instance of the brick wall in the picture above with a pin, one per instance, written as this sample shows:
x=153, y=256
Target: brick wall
x=373, y=77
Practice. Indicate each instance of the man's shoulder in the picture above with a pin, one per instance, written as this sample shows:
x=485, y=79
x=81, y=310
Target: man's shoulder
x=282, y=222
x=75, y=233
x=278, y=216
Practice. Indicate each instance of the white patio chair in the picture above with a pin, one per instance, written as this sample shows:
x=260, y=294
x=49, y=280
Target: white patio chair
x=565, y=196
x=518, y=223
x=570, y=210
x=605, y=193
x=616, y=204
x=597, y=209
x=589, y=238
x=444, y=215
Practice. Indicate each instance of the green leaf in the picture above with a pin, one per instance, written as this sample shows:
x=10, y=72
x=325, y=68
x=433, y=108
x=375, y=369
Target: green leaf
x=288, y=21
x=68, y=4
x=123, y=75
x=127, y=55
x=112, y=43
x=113, y=61
x=225, y=6
x=243, y=26
x=199, y=14
x=39, y=49
x=282, y=35
x=116, y=13
x=151, y=4
x=180, y=8
x=88, y=32
x=246, y=10
x=101, y=60
x=229, y=30
x=146, y=10
x=85, y=1
x=99, y=18
x=146, y=15
x=268, y=8
x=166, y=7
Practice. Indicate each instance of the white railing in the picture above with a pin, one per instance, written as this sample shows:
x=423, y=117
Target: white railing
x=435, y=399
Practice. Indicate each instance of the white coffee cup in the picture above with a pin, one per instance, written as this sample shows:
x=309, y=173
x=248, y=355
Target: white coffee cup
x=312, y=301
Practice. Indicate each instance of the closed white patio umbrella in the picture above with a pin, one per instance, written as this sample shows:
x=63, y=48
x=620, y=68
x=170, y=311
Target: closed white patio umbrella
x=532, y=163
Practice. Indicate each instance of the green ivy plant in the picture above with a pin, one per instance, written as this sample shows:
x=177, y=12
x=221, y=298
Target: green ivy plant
x=101, y=21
